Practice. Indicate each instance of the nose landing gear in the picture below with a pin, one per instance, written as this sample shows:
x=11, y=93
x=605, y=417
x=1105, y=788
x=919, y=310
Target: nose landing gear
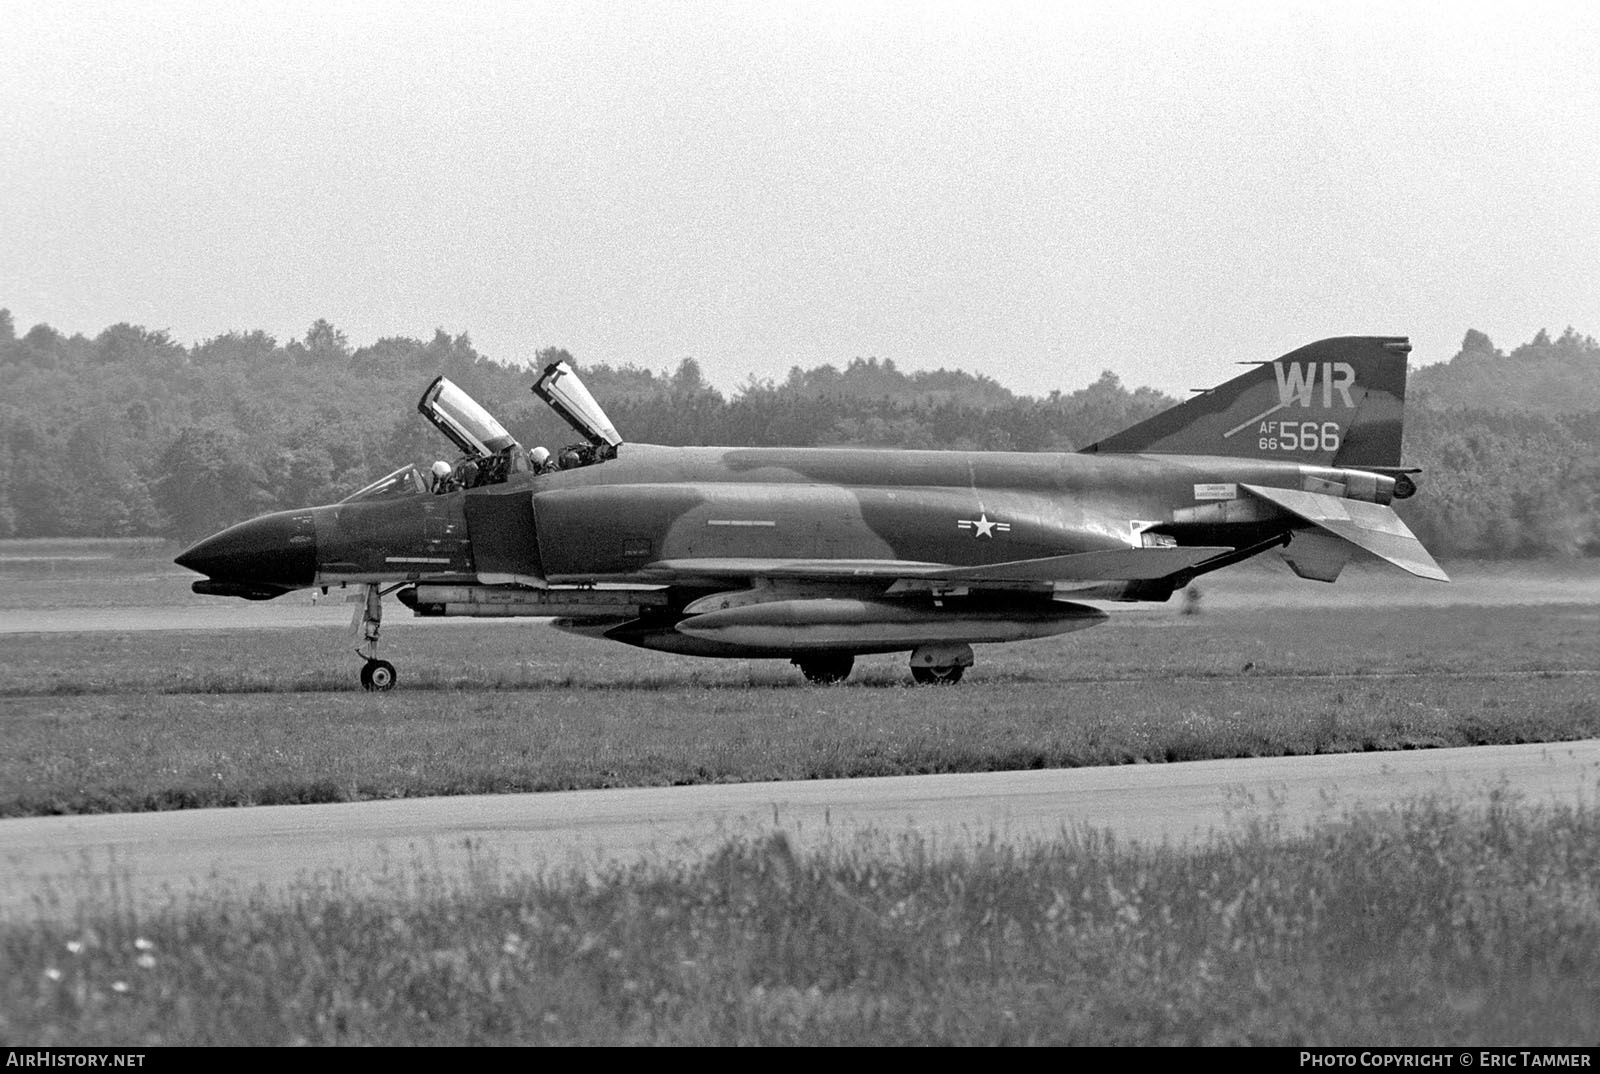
x=376, y=675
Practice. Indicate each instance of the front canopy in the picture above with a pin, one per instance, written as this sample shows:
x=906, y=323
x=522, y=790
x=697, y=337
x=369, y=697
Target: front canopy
x=456, y=414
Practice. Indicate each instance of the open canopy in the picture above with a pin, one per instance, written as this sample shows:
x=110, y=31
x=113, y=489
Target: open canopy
x=456, y=414
x=567, y=396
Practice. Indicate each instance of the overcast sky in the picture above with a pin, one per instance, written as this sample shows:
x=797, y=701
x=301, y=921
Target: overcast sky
x=1036, y=191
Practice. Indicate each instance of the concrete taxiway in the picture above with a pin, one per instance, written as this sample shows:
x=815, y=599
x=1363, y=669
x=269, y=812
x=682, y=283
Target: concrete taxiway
x=51, y=864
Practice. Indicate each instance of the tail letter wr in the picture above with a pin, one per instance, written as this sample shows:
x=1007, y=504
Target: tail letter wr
x=1298, y=383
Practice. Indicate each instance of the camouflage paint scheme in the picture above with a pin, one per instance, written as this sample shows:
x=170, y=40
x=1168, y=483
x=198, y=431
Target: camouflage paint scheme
x=818, y=554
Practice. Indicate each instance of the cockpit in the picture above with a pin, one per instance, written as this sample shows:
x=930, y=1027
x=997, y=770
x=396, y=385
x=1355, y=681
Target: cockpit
x=491, y=455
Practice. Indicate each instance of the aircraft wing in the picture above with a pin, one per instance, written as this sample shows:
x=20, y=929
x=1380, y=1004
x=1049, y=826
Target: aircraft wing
x=1114, y=565
x=1369, y=526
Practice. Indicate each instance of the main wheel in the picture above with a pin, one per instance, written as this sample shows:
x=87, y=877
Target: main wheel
x=834, y=667
x=947, y=676
x=377, y=675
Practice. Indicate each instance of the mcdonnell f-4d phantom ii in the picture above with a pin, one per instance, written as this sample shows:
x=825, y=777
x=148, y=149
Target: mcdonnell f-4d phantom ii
x=817, y=555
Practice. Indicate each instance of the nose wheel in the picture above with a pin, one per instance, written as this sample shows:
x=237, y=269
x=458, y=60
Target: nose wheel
x=377, y=675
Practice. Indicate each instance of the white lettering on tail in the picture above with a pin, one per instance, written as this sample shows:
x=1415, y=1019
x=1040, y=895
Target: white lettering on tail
x=1297, y=383
x=1337, y=377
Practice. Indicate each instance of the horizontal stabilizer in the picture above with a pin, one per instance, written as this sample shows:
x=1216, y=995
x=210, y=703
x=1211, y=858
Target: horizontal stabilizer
x=1114, y=565
x=1369, y=526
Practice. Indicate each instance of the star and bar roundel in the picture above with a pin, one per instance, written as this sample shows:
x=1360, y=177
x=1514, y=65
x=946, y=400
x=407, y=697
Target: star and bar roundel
x=983, y=525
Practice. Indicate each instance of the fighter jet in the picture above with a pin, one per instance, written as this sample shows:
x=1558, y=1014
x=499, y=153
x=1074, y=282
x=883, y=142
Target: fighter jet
x=818, y=555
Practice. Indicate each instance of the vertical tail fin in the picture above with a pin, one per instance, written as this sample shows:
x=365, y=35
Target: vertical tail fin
x=1336, y=402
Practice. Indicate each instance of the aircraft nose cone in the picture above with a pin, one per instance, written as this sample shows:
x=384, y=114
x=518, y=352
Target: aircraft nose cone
x=273, y=550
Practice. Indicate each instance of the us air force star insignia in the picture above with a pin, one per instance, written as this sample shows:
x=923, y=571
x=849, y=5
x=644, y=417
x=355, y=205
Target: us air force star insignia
x=982, y=527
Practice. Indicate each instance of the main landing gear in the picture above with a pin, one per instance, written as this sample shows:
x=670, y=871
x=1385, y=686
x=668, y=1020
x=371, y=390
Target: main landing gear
x=931, y=665
x=937, y=676
x=825, y=668
x=376, y=675
x=940, y=665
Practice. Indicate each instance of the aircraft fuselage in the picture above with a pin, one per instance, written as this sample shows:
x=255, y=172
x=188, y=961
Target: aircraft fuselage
x=610, y=522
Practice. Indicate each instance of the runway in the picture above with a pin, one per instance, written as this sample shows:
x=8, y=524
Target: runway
x=150, y=859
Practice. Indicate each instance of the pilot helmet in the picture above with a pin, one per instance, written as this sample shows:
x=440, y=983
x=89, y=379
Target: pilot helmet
x=441, y=469
x=539, y=456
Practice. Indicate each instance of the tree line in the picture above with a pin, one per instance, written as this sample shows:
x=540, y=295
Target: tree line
x=133, y=434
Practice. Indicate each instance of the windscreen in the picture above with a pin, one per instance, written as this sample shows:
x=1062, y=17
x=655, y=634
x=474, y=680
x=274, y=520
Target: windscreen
x=406, y=481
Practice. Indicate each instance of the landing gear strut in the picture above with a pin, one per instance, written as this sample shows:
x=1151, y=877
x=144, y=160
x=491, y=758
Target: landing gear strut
x=376, y=675
x=825, y=667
